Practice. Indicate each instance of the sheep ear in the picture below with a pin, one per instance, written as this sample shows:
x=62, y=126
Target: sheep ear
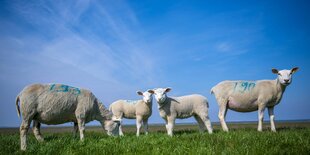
x=139, y=93
x=275, y=71
x=295, y=69
x=167, y=89
x=151, y=91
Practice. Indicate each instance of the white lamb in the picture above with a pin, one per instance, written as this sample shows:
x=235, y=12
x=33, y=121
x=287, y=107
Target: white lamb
x=171, y=108
x=140, y=110
x=247, y=96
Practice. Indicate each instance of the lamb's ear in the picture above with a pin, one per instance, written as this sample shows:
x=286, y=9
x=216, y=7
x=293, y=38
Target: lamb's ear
x=275, y=71
x=295, y=69
x=139, y=93
x=167, y=89
x=151, y=91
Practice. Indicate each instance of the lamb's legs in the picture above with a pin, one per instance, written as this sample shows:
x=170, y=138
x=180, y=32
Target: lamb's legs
x=260, y=117
x=24, y=127
x=139, y=124
x=271, y=115
x=119, y=116
x=36, y=131
x=75, y=129
x=206, y=120
x=145, y=126
x=170, y=125
x=222, y=114
x=202, y=127
x=120, y=131
x=166, y=125
x=81, y=124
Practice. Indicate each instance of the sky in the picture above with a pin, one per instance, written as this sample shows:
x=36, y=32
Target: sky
x=115, y=48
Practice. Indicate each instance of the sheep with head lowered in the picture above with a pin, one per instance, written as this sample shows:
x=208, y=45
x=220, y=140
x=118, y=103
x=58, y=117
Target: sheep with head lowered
x=140, y=110
x=171, y=108
x=247, y=96
x=58, y=104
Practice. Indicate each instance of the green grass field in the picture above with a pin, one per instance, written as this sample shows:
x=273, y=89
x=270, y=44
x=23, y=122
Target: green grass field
x=291, y=138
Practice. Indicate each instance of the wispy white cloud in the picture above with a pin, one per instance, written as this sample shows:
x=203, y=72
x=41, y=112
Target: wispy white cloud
x=231, y=48
x=94, y=54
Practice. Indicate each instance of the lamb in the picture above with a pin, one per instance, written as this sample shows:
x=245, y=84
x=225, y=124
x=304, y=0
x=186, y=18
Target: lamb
x=57, y=104
x=247, y=96
x=140, y=110
x=171, y=108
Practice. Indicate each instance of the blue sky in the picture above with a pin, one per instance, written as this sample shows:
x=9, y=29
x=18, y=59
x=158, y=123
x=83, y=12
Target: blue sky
x=115, y=48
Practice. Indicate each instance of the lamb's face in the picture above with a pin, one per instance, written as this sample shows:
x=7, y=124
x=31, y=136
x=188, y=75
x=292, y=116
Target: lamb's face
x=147, y=96
x=160, y=94
x=285, y=76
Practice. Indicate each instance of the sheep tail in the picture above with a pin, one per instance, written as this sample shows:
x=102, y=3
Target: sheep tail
x=212, y=92
x=110, y=108
x=17, y=106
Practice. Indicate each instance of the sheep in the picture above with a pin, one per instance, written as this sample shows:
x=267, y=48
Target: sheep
x=57, y=104
x=248, y=96
x=140, y=110
x=182, y=107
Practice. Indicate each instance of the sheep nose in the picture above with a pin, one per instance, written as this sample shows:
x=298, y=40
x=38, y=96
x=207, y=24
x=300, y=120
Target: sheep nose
x=286, y=80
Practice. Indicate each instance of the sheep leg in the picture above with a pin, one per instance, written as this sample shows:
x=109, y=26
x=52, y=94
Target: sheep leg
x=81, y=124
x=222, y=114
x=166, y=125
x=260, y=117
x=206, y=120
x=119, y=116
x=139, y=124
x=36, y=131
x=202, y=127
x=271, y=115
x=24, y=127
x=170, y=125
x=75, y=129
x=120, y=131
x=145, y=126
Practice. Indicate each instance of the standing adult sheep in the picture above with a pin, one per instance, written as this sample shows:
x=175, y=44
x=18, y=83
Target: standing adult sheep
x=247, y=96
x=58, y=104
x=171, y=108
x=140, y=110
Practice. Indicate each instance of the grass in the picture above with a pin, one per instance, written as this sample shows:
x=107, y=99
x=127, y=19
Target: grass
x=187, y=140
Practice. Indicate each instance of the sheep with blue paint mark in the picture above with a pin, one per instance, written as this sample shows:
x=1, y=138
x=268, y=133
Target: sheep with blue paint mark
x=140, y=110
x=247, y=96
x=58, y=104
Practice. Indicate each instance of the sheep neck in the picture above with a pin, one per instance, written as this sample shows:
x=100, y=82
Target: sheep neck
x=280, y=88
x=148, y=104
x=160, y=105
x=103, y=111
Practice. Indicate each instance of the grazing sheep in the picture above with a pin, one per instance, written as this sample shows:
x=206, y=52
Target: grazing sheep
x=57, y=104
x=140, y=110
x=171, y=108
x=247, y=96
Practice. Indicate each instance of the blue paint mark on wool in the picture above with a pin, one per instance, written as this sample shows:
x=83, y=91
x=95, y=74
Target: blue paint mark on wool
x=131, y=101
x=65, y=88
x=244, y=86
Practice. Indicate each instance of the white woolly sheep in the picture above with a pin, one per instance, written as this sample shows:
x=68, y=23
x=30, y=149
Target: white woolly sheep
x=140, y=110
x=57, y=104
x=171, y=108
x=247, y=96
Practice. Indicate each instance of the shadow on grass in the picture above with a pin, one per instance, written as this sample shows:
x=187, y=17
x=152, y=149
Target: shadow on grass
x=98, y=136
x=290, y=128
x=57, y=136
